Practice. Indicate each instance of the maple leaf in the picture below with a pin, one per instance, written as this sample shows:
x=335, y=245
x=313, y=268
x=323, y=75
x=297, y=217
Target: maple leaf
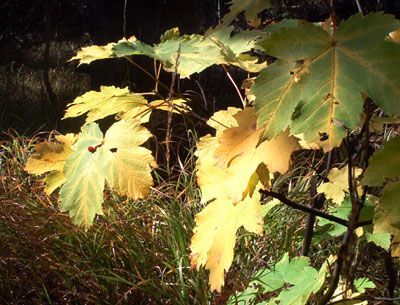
x=113, y=49
x=223, y=119
x=239, y=153
x=250, y=8
x=109, y=100
x=215, y=234
x=178, y=105
x=188, y=54
x=129, y=165
x=300, y=278
x=315, y=86
x=88, y=54
x=51, y=157
x=385, y=165
x=229, y=169
x=338, y=184
x=117, y=158
x=232, y=47
x=82, y=193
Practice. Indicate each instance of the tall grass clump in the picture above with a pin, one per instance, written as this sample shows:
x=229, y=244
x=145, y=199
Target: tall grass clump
x=137, y=253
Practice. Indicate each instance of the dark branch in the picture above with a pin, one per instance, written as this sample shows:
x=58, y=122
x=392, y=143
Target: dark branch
x=304, y=208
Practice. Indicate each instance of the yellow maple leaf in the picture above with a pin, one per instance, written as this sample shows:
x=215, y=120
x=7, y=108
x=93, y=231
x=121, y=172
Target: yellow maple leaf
x=223, y=119
x=209, y=177
x=109, y=100
x=51, y=157
x=215, y=234
x=338, y=184
x=230, y=167
x=235, y=141
x=129, y=168
x=88, y=54
x=395, y=35
x=241, y=154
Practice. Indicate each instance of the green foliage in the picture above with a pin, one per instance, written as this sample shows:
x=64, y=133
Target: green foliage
x=303, y=280
x=384, y=165
x=187, y=54
x=320, y=76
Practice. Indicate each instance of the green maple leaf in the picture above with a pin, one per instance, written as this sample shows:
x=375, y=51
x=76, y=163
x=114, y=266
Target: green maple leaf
x=232, y=47
x=303, y=279
x=316, y=84
x=82, y=193
x=250, y=8
x=116, y=158
x=100, y=104
x=385, y=164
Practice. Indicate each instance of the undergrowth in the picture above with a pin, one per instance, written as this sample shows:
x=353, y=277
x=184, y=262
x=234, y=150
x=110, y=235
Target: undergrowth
x=137, y=253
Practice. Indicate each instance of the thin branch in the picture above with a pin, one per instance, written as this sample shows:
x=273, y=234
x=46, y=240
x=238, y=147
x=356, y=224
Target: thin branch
x=391, y=271
x=146, y=72
x=342, y=261
x=304, y=208
x=317, y=203
x=377, y=299
x=170, y=109
x=359, y=7
x=234, y=85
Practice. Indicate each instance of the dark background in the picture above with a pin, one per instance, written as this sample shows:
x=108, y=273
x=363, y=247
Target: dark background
x=37, y=38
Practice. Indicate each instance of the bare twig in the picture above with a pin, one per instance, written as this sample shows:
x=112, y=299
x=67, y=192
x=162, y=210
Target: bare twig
x=343, y=261
x=317, y=203
x=170, y=109
x=391, y=271
x=234, y=85
x=304, y=208
x=359, y=7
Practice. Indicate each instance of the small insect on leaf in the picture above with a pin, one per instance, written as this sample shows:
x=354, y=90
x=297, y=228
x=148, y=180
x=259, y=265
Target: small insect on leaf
x=91, y=149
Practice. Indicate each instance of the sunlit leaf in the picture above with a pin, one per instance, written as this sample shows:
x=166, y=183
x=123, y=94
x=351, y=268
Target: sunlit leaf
x=51, y=157
x=215, y=234
x=316, y=85
x=295, y=279
x=338, y=184
x=107, y=101
x=116, y=158
x=88, y=54
x=384, y=165
x=250, y=8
